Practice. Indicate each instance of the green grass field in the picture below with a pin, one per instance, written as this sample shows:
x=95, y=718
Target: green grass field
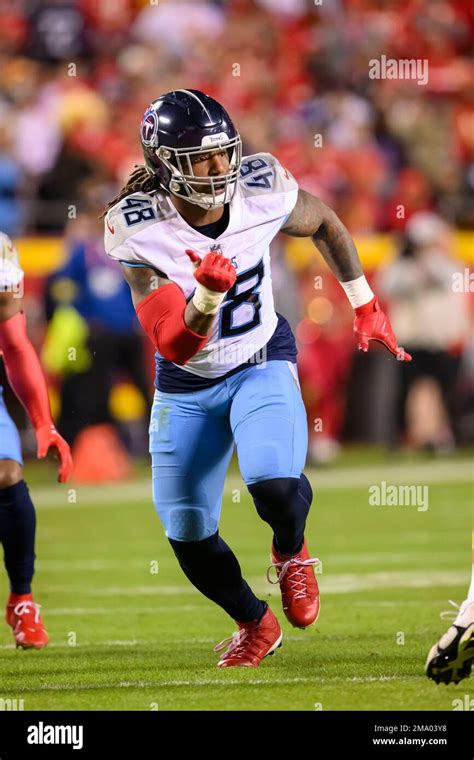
x=125, y=637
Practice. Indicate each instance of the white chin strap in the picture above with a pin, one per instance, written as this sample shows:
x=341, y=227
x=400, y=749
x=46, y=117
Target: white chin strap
x=207, y=200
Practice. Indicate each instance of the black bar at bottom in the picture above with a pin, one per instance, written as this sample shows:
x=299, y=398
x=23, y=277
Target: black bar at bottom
x=139, y=734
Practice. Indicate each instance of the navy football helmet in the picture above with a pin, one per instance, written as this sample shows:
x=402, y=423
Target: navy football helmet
x=178, y=126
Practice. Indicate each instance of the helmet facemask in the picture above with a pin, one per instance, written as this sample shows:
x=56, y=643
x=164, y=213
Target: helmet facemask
x=207, y=192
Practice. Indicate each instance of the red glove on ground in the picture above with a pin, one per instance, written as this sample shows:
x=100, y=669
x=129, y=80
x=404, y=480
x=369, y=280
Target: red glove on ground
x=214, y=271
x=371, y=323
x=27, y=381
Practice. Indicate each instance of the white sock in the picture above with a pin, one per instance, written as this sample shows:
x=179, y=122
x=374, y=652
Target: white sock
x=470, y=593
x=469, y=599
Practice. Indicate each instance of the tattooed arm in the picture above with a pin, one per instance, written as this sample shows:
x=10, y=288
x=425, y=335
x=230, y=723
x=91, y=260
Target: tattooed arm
x=312, y=218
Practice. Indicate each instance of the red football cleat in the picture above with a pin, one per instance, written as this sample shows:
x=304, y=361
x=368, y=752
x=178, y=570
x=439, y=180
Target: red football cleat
x=23, y=616
x=299, y=588
x=251, y=643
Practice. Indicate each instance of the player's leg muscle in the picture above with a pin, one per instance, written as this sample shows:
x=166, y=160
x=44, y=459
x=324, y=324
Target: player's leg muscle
x=214, y=570
x=268, y=420
x=17, y=527
x=191, y=445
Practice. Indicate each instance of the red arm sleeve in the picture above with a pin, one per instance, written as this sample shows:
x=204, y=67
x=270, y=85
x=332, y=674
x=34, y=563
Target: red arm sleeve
x=24, y=370
x=161, y=314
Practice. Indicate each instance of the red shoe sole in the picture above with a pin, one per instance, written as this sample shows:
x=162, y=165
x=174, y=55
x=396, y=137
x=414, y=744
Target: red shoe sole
x=31, y=646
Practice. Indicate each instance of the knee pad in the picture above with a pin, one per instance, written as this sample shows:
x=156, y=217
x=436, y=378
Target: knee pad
x=186, y=523
x=281, y=496
x=278, y=490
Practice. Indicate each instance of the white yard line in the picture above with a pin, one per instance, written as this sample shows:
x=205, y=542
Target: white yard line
x=118, y=591
x=330, y=560
x=122, y=494
x=82, y=644
x=348, y=582
x=215, y=682
x=164, y=609
x=341, y=583
x=125, y=610
x=61, y=565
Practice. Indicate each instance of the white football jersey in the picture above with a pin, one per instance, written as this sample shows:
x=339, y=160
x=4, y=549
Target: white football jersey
x=147, y=230
x=11, y=273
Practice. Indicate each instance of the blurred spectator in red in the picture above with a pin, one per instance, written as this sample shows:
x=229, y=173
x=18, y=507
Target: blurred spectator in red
x=325, y=349
x=76, y=76
x=429, y=314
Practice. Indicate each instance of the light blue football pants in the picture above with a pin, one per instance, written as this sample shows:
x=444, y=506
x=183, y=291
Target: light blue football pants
x=10, y=447
x=192, y=438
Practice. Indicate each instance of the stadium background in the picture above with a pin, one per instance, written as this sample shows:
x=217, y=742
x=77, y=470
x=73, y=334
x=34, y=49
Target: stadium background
x=75, y=77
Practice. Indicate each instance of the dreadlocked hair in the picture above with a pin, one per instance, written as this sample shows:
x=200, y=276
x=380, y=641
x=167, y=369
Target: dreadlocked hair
x=140, y=180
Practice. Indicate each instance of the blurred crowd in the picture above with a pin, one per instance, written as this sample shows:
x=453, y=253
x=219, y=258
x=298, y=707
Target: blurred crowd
x=76, y=75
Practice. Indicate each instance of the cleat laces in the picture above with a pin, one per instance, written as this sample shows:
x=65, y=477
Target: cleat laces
x=451, y=614
x=235, y=642
x=296, y=577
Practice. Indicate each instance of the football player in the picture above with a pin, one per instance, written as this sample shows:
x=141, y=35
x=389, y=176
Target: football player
x=192, y=229
x=450, y=659
x=17, y=513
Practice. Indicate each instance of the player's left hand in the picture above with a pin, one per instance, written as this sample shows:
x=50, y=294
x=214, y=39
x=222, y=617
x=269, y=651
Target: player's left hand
x=47, y=438
x=371, y=323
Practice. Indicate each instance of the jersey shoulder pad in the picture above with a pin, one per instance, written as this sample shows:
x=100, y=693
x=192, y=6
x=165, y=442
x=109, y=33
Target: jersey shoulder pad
x=130, y=215
x=11, y=273
x=262, y=173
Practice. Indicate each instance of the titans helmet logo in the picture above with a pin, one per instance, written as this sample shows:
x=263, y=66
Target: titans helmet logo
x=149, y=127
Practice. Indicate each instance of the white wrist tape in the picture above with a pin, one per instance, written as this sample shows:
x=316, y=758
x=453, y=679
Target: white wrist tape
x=207, y=301
x=358, y=291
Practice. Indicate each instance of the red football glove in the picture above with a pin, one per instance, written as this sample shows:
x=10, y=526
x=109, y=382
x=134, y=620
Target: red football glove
x=48, y=437
x=214, y=271
x=371, y=323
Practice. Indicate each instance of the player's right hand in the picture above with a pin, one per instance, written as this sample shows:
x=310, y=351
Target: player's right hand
x=214, y=271
x=47, y=438
x=371, y=323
